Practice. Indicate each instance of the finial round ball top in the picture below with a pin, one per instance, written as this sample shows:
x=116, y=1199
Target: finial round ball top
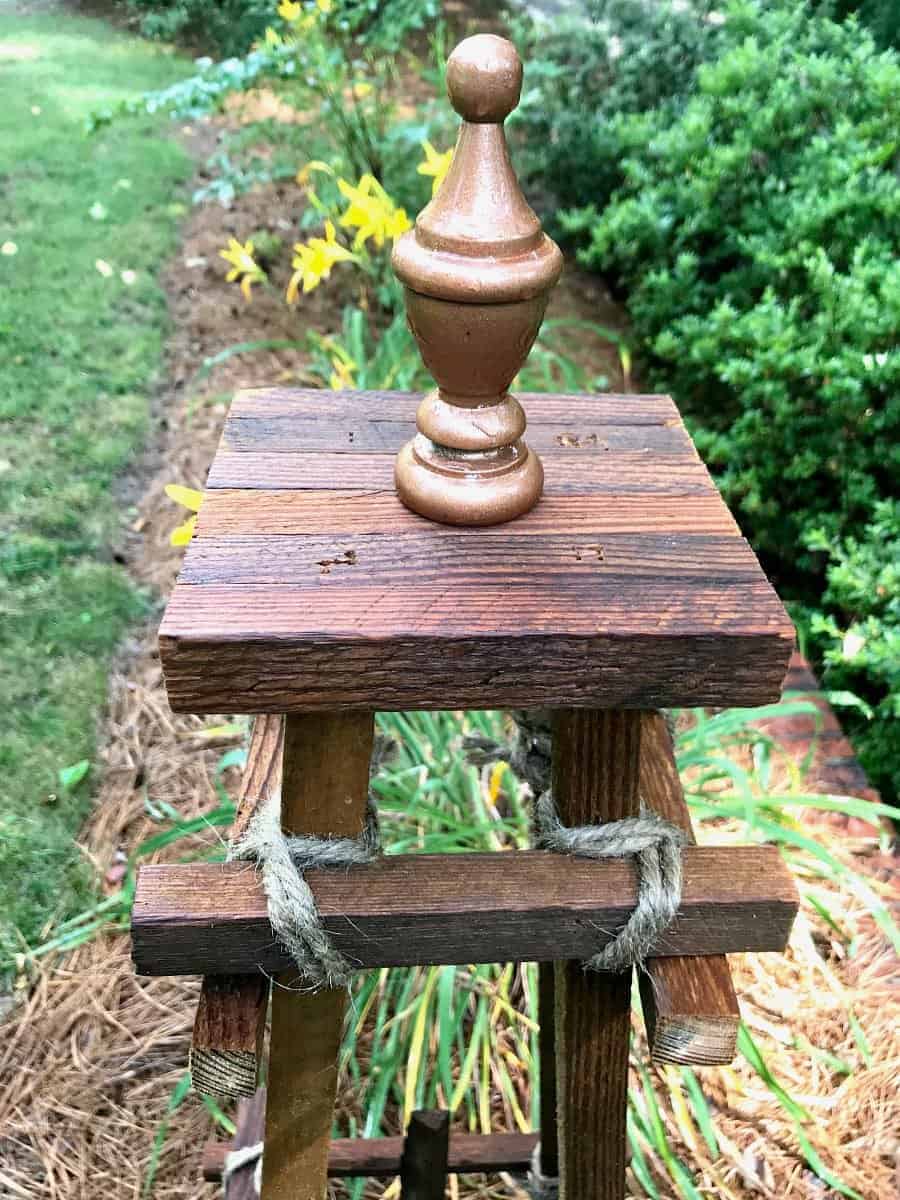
x=484, y=79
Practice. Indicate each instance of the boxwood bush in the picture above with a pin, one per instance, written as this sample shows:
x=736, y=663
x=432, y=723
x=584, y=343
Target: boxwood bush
x=755, y=233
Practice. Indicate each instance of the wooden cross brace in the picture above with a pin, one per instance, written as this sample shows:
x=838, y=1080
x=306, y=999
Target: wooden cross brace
x=187, y=917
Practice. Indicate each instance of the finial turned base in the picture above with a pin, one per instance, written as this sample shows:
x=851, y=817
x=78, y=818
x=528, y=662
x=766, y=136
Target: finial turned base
x=481, y=488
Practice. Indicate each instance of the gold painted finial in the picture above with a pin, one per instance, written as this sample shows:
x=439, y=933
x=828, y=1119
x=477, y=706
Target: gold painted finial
x=477, y=271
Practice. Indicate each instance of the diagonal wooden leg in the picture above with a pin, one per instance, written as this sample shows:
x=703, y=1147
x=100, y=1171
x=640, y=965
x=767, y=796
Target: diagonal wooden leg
x=324, y=789
x=596, y=762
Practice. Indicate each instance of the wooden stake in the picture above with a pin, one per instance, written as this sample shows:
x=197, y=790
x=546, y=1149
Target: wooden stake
x=423, y=1168
x=596, y=768
x=549, y=1152
x=690, y=1007
x=229, y=1026
x=324, y=790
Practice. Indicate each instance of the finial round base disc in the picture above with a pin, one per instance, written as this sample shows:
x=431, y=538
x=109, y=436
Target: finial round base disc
x=474, y=489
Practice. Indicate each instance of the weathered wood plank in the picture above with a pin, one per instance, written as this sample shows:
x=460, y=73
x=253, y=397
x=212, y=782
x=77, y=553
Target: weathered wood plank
x=304, y=403
x=423, y=1164
x=358, y=433
x=379, y=1158
x=401, y=910
x=341, y=512
x=618, y=472
x=291, y=674
x=596, y=774
x=690, y=1007
x=325, y=785
x=382, y=560
x=549, y=1144
x=229, y=1024
x=525, y=621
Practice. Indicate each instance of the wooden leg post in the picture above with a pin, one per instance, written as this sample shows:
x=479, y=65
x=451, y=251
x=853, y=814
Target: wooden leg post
x=549, y=1152
x=596, y=764
x=324, y=789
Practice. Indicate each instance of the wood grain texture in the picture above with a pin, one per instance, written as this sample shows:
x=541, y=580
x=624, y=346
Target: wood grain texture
x=690, y=1007
x=401, y=910
x=341, y=512
x=325, y=784
x=356, y=433
x=229, y=1024
x=549, y=1152
x=227, y=1041
x=625, y=472
x=596, y=774
x=310, y=588
x=567, y=409
x=423, y=1164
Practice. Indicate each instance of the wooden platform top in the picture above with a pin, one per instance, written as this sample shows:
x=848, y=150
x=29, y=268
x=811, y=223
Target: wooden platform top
x=309, y=587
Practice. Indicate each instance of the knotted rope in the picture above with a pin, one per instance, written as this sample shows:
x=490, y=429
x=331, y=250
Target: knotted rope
x=655, y=844
x=282, y=860
x=235, y=1160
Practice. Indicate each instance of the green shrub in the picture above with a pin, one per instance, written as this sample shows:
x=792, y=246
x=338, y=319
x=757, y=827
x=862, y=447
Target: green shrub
x=756, y=234
x=630, y=56
x=227, y=27
x=860, y=636
x=231, y=26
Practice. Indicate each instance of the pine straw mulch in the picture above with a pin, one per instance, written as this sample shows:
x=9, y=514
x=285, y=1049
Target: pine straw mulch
x=89, y=1060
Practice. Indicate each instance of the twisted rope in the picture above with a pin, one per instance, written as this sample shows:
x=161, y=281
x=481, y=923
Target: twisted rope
x=654, y=843
x=282, y=861
x=236, y=1160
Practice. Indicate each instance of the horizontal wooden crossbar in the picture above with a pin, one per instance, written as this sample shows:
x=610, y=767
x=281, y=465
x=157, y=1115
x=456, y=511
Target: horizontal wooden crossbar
x=379, y=1158
x=407, y=910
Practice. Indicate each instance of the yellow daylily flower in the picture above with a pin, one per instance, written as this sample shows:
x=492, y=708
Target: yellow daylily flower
x=325, y=6
x=395, y=224
x=289, y=10
x=435, y=164
x=243, y=265
x=371, y=212
x=342, y=375
x=189, y=498
x=314, y=164
x=362, y=89
x=313, y=261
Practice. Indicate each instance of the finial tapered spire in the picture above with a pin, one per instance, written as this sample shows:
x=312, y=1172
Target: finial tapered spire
x=478, y=272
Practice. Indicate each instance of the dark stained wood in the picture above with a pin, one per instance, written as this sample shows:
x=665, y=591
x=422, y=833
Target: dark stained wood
x=566, y=409
x=400, y=910
x=690, y=1007
x=317, y=562
x=324, y=790
x=617, y=472
x=596, y=774
x=290, y=671
x=342, y=512
x=423, y=1164
x=354, y=433
x=549, y=1153
x=277, y=611
x=251, y=1118
x=229, y=1025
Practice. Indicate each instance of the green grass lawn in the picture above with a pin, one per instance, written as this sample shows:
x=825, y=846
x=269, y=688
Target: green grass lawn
x=81, y=355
